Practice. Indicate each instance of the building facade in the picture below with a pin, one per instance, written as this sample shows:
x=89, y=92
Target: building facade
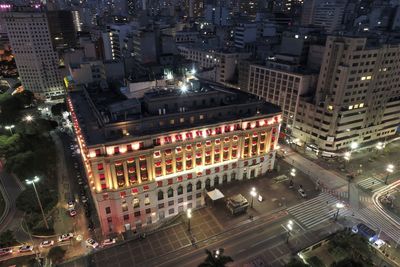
x=357, y=98
x=36, y=58
x=280, y=87
x=163, y=163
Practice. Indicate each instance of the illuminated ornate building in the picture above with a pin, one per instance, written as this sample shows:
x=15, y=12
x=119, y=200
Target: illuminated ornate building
x=151, y=158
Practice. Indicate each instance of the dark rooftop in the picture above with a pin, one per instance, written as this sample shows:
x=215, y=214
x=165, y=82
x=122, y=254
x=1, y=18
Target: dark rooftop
x=107, y=116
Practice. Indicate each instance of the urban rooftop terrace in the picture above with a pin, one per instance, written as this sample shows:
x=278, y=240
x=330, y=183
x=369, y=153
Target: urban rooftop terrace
x=105, y=116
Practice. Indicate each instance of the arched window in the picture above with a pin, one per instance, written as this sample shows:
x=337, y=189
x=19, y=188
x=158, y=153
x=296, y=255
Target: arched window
x=170, y=192
x=224, y=178
x=216, y=181
x=180, y=190
x=198, y=185
x=208, y=184
x=160, y=195
x=189, y=188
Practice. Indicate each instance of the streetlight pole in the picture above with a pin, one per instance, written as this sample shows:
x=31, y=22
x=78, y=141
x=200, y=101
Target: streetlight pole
x=289, y=226
x=33, y=181
x=389, y=169
x=338, y=206
x=253, y=193
x=189, y=216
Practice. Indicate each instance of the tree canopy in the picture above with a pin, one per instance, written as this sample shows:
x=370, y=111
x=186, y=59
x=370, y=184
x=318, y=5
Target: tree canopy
x=213, y=261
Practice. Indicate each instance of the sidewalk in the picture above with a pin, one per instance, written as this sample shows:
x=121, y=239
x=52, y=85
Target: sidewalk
x=328, y=178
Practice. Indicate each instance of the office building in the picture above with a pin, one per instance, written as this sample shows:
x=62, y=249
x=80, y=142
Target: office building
x=327, y=14
x=357, y=98
x=35, y=55
x=151, y=158
x=280, y=87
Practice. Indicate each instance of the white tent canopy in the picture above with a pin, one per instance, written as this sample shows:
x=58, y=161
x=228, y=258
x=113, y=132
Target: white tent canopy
x=215, y=194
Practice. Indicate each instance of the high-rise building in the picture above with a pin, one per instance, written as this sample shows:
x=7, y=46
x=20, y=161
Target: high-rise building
x=62, y=28
x=35, y=55
x=280, y=87
x=324, y=13
x=115, y=40
x=357, y=97
x=154, y=157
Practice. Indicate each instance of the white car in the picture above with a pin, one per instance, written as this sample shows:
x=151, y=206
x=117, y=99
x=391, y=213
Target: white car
x=25, y=248
x=47, y=243
x=5, y=251
x=72, y=213
x=108, y=242
x=91, y=243
x=302, y=193
x=65, y=237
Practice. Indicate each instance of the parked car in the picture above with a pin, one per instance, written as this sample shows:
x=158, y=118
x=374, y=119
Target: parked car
x=71, y=205
x=108, y=242
x=72, y=213
x=65, y=237
x=80, y=181
x=46, y=243
x=5, y=251
x=302, y=193
x=91, y=243
x=25, y=248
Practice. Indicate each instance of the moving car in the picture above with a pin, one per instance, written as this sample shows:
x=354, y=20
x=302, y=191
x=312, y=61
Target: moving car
x=108, y=242
x=46, y=243
x=72, y=213
x=5, y=251
x=65, y=237
x=91, y=243
x=25, y=248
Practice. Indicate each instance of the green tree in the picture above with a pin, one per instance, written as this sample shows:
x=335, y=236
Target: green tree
x=7, y=239
x=56, y=254
x=356, y=245
x=213, y=261
x=58, y=109
x=24, y=98
x=10, y=108
x=294, y=262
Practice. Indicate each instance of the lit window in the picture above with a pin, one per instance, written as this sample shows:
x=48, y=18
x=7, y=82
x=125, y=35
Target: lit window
x=361, y=105
x=363, y=78
x=330, y=107
x=350, y=107
x=356, y=106
x=369, y=77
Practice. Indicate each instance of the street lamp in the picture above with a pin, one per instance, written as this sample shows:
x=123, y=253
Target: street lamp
x=293, y=172
x=289, y=227
x=10, y=127
x=32, y=182
x=28, y=118
x=339, y=206
x=253, y=193
x=189, y=216
x=389, y=169
x=380, y=146
x=353, y=145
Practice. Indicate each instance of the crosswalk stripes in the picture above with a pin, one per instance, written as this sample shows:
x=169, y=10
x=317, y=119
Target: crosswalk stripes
x=317, y=210
x=343, y=195
x=374, y=218
x=370, y=183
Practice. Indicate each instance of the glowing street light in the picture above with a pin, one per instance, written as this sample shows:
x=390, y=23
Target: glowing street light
x=184, y=88
x=293, y=172
x=32, y=182
x=380, y=146
x=28, y=118
x=9, y=127
x=289, y=227
x=253, y=193
x=353, y=145
x=339, y=206
x=189, y=216
x=389, y=169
